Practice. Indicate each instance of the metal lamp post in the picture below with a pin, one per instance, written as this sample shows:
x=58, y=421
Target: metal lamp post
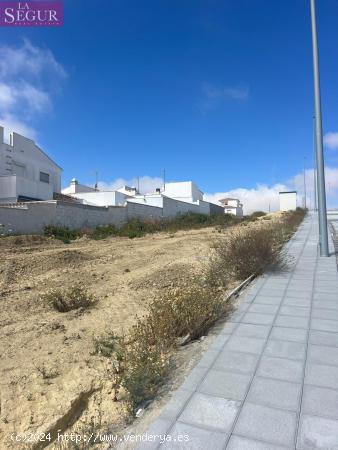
x=323, y=235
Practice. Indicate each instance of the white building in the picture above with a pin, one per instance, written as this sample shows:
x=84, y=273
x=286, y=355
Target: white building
x=288, y=201
x=91, y=196
x=185, y=193
x=232, y=206
x=26, y=172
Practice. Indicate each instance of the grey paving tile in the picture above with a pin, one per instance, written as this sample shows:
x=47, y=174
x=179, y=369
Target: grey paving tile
x=219, y=342
x=321, y=354
x=296, y=311
x=175, y=405
x=240, y=443
x=292, y=301
x=321, y=375
x=275, y=393
x=325, y=297
x=289, y=334
x=188, y=437
x=324, y=325
x=320, y=401
x=320, y=313
x=236, y=361
x=299, y=286
x=228, y=328
x=194, y=378
x=323, y=338
x=261, y=308
x=317, y=433
x=268, y=291
x=285, y=349
x=245, y=344
x=268, y=300
x=249, y=330
x=157, y=429
x=232, y=386
x=214, y=412
x=259, y=319
x=208, y=358
x=299, y=295
x=236, y=316
x=266, y=424
x=281, y=369
x=292, y=322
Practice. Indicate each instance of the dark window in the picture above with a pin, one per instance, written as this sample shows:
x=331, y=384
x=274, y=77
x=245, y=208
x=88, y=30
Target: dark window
x=44, y=177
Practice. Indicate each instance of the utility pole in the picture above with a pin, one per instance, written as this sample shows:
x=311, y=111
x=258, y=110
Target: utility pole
x=164, y=179
x=314, y=165
x=304, y=183
x=322, y=214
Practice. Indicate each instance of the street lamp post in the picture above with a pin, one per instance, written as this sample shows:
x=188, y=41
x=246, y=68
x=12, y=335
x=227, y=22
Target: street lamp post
x=323, y=236
x=314, y=165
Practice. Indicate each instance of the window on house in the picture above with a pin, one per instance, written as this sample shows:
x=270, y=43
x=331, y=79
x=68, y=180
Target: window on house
x=44, y=177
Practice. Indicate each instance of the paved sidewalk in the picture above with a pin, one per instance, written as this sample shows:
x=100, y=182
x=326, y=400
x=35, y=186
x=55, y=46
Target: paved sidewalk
x=270, y=380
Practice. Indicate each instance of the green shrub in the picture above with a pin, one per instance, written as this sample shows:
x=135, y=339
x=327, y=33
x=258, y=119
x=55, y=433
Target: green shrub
x=64, y=234
x=248, y=251
x=69, y=299
x=102, y=232
x=142, y=362
x=258, y=214
x=106, y=344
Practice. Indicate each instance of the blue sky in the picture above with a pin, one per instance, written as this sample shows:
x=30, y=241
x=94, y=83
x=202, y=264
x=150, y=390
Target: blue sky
x=215, y=91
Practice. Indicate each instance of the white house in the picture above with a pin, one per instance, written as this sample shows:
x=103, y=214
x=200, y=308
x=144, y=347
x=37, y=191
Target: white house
x=185, y=191
x=187, y=195
x=26, y=171
x=288, y=201
x=232, y=206
x=92, y=196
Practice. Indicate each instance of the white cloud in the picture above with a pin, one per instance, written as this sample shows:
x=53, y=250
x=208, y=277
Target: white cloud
x=262, y=197
x=213, y=96
x=147, y=184
x=331, y=140
x=29, y=76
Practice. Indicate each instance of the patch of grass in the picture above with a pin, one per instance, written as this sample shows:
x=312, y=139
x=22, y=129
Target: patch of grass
x=102, y=232
x=64, y=234
x=136, y=228
x=64, y=300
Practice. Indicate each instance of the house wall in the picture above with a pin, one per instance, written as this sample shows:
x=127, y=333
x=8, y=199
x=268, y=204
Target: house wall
x=103, y=198
x=149, y=200
x=77, y=188
x=23, y=158
x=172, y=207
x=287, y=201
x=185, y=191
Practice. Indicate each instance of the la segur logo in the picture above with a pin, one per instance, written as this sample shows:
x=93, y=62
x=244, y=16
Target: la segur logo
x=31, y=14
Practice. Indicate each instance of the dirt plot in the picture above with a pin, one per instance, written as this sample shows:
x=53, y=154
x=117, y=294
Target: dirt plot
x=50, y=377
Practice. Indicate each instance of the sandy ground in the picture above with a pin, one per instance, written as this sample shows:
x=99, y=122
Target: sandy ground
x=50, y=377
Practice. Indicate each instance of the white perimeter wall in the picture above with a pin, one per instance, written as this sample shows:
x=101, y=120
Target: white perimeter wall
x=32, y=217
